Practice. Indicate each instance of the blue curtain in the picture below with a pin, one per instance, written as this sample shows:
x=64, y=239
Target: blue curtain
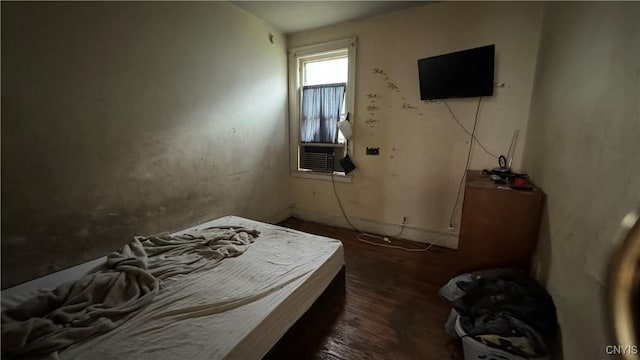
x=321, y=108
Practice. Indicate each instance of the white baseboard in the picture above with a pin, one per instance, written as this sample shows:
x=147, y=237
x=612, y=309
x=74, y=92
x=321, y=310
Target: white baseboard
x=409, y=232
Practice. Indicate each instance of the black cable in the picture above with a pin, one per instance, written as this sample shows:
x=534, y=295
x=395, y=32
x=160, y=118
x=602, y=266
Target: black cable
x=344, y=213
x=404, y=222
x=466, y=166
x=340, y=203
x=472, y=134
x=362, y=233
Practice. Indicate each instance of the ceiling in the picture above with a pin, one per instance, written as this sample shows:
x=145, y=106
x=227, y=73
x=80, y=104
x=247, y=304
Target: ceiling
x=293, y=16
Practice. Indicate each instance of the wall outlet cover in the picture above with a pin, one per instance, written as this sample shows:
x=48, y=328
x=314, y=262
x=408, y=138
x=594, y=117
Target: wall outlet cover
x=373, y=151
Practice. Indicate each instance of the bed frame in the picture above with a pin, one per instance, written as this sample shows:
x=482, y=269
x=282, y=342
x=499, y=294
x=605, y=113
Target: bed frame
x=306, y=336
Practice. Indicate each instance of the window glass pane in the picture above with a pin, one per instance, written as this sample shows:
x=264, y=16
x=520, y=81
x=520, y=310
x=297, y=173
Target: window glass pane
x=326, y=71
x=329, y=71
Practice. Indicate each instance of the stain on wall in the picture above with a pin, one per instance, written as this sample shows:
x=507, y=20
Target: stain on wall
x=122, y=119
x=420, y=179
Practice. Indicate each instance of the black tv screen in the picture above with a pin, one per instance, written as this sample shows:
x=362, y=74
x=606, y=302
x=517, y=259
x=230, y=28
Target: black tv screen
x=467, y=73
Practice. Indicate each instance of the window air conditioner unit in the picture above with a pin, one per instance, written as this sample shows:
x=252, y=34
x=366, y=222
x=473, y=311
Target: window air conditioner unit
x=323, y=158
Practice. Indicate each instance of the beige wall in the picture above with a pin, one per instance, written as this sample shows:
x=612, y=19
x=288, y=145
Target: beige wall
x=582, y=149
x=134, y=118
x=422, y=150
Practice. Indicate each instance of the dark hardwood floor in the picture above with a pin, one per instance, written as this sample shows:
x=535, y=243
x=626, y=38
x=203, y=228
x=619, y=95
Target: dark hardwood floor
x=387, y=308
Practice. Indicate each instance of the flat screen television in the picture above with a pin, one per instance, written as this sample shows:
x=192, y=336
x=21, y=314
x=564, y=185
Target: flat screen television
x=466, y=73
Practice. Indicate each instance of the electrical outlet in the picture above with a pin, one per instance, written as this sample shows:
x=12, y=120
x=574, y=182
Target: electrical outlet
x=372, y=151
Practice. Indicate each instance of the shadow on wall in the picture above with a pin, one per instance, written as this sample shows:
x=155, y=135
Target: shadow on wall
x=542, y=261
x=398, y=166
x=556, y=350
x=542, y=268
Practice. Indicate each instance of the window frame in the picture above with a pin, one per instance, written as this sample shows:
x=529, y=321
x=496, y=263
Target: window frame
x=297, y=56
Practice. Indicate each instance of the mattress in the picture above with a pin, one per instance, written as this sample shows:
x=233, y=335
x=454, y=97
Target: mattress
x=237, y=310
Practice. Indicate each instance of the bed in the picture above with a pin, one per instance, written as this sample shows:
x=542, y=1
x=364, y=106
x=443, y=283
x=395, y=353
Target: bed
x=237, y=310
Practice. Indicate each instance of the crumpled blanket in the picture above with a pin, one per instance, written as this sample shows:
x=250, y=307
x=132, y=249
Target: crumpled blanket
x=504, y=308
x=109, y=295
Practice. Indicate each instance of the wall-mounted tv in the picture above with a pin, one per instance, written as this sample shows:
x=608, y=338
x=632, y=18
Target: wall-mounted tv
x=466, y=73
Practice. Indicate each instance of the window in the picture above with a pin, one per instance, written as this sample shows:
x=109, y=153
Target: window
x=320, y=94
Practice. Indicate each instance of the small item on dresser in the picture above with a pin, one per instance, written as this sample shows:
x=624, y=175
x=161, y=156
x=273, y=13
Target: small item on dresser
x=521, y=183
x=498, y=180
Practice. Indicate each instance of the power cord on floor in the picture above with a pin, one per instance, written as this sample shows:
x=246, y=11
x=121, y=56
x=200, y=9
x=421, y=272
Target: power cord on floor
x=395, y=246
x=383, y=238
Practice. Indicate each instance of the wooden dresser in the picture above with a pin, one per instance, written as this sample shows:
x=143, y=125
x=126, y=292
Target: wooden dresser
x=499, y=227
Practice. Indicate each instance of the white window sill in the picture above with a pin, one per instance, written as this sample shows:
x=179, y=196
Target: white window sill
x=337, y=177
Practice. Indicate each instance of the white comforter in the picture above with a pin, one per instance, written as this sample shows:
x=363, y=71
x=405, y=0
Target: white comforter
x=108, y=296
x=236, y=310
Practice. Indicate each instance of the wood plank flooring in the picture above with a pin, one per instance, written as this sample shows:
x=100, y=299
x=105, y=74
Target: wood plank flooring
x=388, y=308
